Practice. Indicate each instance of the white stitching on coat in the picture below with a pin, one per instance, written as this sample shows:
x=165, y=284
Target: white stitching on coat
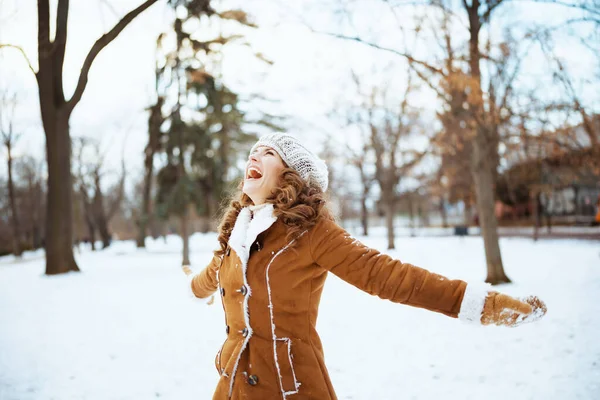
x=245, y=231
x=297, y=384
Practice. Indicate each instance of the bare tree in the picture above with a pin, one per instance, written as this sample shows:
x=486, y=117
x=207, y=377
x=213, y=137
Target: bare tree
x=591, y=130
x=84, y=188
x=56, y=111
x=106, y=206
x=29, y=171
x=98, y=207
x=9, y=138
x=387, y=129
x=361, y=160
x=477, y=123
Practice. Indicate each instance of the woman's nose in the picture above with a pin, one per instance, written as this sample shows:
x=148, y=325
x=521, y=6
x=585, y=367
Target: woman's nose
x=253, y=157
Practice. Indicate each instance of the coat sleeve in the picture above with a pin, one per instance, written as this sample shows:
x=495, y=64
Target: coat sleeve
x=205, y=282
x=381, y=275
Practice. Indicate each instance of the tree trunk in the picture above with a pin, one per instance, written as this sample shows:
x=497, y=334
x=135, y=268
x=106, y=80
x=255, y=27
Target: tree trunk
x=104, y=232
x=99, y=212
x=154, y=122
x=535, y=211
x=443, y=212
x=423, y=214
x=389, y=219
x=142, y=228
x=145, y=217
x=484, y=188
x=17, y=251
x=411, y=212
x=91, y=231
x=484, y=153
x=59, y=208
x=55, y=120
x=467, y=212
x=364, y=215
x=548, y=222
x=185, y=237
x=37, y=219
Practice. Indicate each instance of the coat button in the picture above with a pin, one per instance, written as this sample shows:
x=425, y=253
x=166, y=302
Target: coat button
x=243, y=290
x=253, y=380
x=223, y=292
x=227, y=329
x=245, y=332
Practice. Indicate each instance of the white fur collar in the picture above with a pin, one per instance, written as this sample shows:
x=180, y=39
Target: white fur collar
x=246, y=229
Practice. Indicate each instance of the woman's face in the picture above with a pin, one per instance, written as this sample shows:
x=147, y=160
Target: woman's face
x=262, y=173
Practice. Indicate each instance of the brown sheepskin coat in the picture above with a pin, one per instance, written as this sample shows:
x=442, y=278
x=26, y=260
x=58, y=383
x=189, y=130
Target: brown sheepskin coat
x=270, y=287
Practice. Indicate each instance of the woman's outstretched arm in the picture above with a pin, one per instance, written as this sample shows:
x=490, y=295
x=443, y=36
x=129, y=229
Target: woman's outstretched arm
x=381, y=275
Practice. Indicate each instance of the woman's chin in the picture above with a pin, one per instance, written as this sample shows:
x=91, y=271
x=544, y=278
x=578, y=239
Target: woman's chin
x=250, y=188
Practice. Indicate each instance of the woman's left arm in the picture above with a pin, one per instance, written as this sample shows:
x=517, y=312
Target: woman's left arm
x=381, y=275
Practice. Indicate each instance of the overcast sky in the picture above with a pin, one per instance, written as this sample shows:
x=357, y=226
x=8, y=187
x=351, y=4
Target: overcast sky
x=309, y=77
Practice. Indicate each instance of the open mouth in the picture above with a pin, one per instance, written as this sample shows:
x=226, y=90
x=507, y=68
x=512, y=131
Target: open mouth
x=253, y=173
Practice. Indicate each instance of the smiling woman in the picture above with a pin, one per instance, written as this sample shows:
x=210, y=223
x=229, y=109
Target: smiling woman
x=262, y=173
x=278, y=241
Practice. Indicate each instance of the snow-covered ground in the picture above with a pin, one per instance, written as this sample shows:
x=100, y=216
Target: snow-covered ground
x=124, y=328
x=526, y=231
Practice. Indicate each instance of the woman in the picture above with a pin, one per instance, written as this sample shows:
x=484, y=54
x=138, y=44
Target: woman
x=277, y=242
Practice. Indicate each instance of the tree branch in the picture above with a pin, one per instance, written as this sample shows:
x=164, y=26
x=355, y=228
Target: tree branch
x=378, y=47
x=100, y=44
x=22, y=52
x=58, y=48
x=43, y=26
x=578, y=6
x=486, y=16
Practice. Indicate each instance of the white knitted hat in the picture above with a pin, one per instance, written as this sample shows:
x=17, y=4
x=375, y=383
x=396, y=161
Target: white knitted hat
x=310, y=167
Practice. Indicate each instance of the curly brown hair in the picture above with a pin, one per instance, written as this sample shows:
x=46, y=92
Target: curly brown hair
x=297, y=204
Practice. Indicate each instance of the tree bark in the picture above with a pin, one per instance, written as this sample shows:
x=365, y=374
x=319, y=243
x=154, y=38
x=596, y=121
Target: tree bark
x=17, y=250
x=364, y=215
x=423, y=213
x=185, y=237
x=467, y=212
x=411, y=213
x=443, y=213
x=59, y=207
x=388, y=205
x=535, y=200
x=91, y=230
x=144, y=219
x=34, y=193
x=483, y=178
x=100, y=219
x=548, y=221
x=154, y=123
x=36, y=212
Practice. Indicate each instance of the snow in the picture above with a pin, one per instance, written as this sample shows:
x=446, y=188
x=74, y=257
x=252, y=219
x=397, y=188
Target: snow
x=124, y=328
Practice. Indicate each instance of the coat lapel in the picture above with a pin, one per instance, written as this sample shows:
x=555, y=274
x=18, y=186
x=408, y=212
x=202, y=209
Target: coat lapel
x=247, y=228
